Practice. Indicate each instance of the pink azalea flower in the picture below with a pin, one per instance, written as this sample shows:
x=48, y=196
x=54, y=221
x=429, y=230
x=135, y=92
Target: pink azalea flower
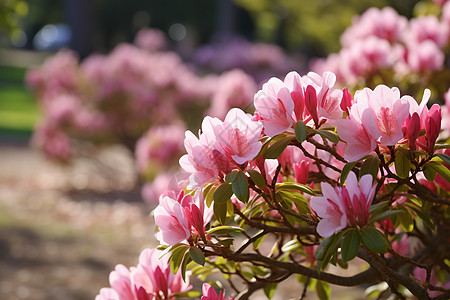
x=178, y=219
x=425, y=57
x=376, y=116
x=345, y=206
x=421, y=274
x=205, y=159
x=210, y=294
x=238, y=135
x=150, y=279
x=274, y=107
x=108, y=294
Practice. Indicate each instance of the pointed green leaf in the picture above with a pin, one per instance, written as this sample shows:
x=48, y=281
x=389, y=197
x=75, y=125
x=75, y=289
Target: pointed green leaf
x=277, y=148
x=176, y=257
x=441, y=146
x=269, y=289
x=300, y=131
x=374, y=240
x=323, y=290
x=406, y=221
x=402, y=162
x=257, y=178
x=345, y=170
x=186, y=260
x=350, y=245
x=220, y=211
x=444, y=157
x=225, y=230
x=385, y=215
x=231, y=176
x=329, y=135
x=295, y=186
x=370, y=166
x=223, y=193
x=197, y=255
x=240, y=187
x=436, y=167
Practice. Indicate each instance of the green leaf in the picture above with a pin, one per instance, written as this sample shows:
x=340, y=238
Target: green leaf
x=402, y=162
x=331, y=136
x=294, y=186
x=436, y=167
x=406, y=221
x=444, y=157
x=220, y=211
x=300, y=131
x=345, y=170
x=350, y=245
x=277, y=148
x=231, y=176
x=223, y=193
x=259, y=240
x=186, y=260
x=188, y=295
x=374, y=240
x=269, y=289
x=225, y=230
x=176, y=257
x=326, y=250
x=240, y=187
x=385, y=215
x=197, y=255
x=441, y=146
x=210, y=196
x=323, y=290
x=290, y=246
x=370, y=166
x=376, y=208
x=257, y=178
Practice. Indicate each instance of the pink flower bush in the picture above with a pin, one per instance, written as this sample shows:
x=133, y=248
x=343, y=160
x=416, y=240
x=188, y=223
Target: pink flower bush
x=234, y=89
x=150, y=279
x=345, y=206
x=160, y=147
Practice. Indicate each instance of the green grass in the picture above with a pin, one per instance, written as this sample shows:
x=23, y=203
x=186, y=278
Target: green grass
x=18, y=110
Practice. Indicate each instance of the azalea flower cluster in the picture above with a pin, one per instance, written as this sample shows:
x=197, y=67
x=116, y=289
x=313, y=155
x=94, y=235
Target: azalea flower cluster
x=93, y=100
x=295, y=163
x=383, y=45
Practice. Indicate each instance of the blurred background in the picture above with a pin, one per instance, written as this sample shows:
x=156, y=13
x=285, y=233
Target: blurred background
x=75, y=188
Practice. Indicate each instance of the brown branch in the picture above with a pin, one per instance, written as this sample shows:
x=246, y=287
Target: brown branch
x=369, y=276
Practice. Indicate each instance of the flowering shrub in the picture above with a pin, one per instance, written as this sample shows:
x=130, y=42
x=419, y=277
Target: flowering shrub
x=316, y=176
x=91, y=101
x=382, y=46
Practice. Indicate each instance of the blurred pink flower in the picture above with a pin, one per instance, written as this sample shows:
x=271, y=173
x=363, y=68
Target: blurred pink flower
x=233, y=89
x=210, y=294
x=345, y=206
x=150, y=39
x=383, y=23
x=160, y=145
x=421, y=274
x=425, y=57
